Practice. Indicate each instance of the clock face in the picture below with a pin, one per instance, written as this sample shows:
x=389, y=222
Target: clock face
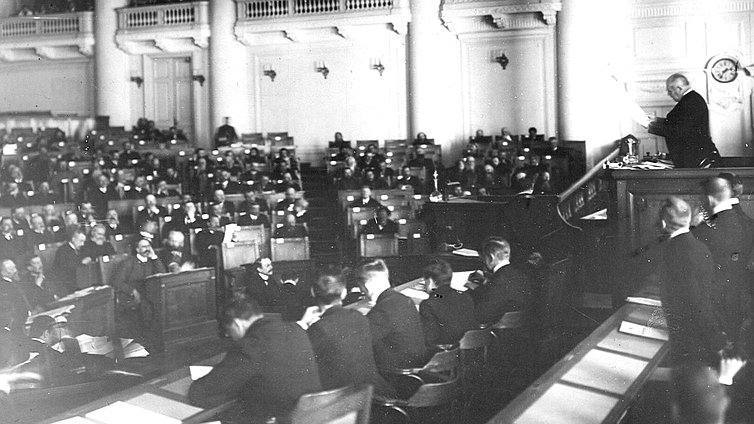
x=724, y=70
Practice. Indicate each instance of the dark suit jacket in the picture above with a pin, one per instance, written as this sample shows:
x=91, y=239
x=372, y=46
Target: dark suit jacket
x=145, y=215
x=687, y=288
x=99, y=199
x=245, y=219
x=371, y=227
x=131, y=274
x=447, y=315
x=397, y=335
x=343, y=347
x=507, y=290
x=269, y=369
x=686, y=131
x=233, y=187
x=290, y=232
x=268, y=295
x=32, y=239
x=12, y=293
x=94, y=251
x=64, y=268
x=205, y=239
x=730, y=247
x=359, y=203
x=168, y=256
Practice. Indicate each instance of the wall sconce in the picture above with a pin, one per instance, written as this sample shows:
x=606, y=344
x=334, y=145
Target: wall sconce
x=323, y=69
x=378, y=66
x=138, y=80
x=269, y=72
x=502, y=59
x=199, y=78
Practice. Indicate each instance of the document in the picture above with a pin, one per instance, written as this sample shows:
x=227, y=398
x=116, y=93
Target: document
x=606, y=371
x=124, y=413
x=54, y=313
x=644, y=331
x=165, y=406
x=644, y=301
x=416, y=294
x=557, y=405
x=199, y=371
x=466, y=252
x=628, y=343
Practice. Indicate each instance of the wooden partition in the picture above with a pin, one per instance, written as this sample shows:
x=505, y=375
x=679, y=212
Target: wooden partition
x=378, y=245
x=289, y=249
x=235, y=254
x=184, y=307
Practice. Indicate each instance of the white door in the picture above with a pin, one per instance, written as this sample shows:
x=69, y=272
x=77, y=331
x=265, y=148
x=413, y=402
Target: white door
x=172, y=94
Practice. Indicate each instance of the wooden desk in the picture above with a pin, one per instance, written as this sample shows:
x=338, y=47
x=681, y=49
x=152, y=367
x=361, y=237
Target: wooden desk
x=166, y=395
x=93, y=312
x=597, y=381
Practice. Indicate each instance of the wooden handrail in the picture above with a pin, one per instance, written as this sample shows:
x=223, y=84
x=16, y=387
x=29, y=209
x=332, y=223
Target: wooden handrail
x=588, y=176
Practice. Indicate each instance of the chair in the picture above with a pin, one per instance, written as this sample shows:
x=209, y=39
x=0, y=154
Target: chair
x=348, y=405
x=46, y=253
x=289, y=249
x=474, y=347
x=378, y=245
x=107, y=266
x=235, y=254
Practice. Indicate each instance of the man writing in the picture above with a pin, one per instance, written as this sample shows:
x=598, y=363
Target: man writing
x=686, y=127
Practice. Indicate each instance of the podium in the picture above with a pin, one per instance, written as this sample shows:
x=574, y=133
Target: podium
x=184, y=308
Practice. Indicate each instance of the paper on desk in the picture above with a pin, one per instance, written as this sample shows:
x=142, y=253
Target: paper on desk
x=416, y=294
x=230, y=230
x=557, y=405
x=53, y=313
x=124, y=413
x=607, y=371
x=74, y=420
x=180, y=387
x=95, y=345
x=466, y=252
x=199, y=371
x=167, y=407
x=134, y=350
x=458, y=282
x=644, y=301
x=643, y=330
x=82, y=292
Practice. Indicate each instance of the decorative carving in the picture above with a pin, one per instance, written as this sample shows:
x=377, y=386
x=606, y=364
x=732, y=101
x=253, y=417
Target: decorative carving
x=501, y=20
x=550, y=17
x=86, y=49
x=462, y=16
x=688, y=7
x=200, y=41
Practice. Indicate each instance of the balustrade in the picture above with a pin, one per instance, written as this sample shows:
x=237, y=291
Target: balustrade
x=266, y=9
x=162, y=15
x=66, y=23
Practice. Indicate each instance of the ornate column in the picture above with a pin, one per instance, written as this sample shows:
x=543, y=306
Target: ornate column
x=112, y=69
x=228, y=70
x=591, y=62
x=434, y=69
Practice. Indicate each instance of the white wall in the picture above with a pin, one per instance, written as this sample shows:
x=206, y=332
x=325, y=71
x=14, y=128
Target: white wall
x=354, y=99
x=61, y=86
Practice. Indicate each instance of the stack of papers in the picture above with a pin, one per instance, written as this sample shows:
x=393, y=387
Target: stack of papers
x=101, y=345
x=466, y=252
x=644, y=301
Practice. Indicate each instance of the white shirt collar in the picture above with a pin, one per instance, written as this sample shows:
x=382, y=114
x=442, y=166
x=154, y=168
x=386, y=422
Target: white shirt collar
x=735, y=201
x=264, y=277
x=142, y=259
x=678, y=232
x=723, y=206
x=500, y=265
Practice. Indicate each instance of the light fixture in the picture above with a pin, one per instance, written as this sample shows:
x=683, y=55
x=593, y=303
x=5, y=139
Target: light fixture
x=138, y=80
x=269, y=72
x=199, y=78
x=323, y=69
x=502, y=59
x=378, y=66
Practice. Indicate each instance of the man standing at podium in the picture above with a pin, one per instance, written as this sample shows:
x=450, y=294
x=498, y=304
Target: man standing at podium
x=686, y=127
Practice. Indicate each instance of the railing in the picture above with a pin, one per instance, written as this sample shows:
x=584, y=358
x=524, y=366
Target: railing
x=66, y=23
x=585, y=196
x=173, y=14
x=265, y=9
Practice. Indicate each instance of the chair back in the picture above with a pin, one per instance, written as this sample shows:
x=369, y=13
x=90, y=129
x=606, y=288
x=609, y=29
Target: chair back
x=235, y=254
x=348, y=405
x=378, y=245
x=289, y=249
x=108, y=264
x=511, y=320
x=123, y=243
x=444, y=362
x=440, y=394
x=46, y=253
x=476, y=340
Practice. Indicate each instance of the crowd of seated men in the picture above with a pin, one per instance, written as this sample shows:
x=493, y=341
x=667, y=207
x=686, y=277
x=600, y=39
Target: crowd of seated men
x=500, y=167
x=343, y=346
x=33, y=8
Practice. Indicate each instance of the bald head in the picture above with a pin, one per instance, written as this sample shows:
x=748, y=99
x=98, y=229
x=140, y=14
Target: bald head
x=675, y=214
x=717, y=190
x=677, y=85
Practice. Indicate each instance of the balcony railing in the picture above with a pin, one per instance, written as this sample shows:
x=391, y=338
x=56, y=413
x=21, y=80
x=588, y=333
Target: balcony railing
x=45, y=25
x=166, y=15
x=264, y=9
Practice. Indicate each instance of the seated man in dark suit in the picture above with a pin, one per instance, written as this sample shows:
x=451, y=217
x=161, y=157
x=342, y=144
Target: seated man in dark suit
x=448, y=313
x=394, y=322
x=250, y=198
x=507, y=290
x=366, y=200
x=406, y=179
x=151, y=211
x=97, y=245
x=11, y=246
x=226, y=185
x=10, y=291
x=20, y=222
x=381, y=224
x=38, y=234
x=207, y=241
x=34, y=285
x=290, y=229
x=270, y=366
x=253, y=216
x=99, y=196
x=67, y=259
x=176, y=253
x=288, y=202
x=260, y=285
x=341, y=340
x=228, y=208
x=163, y=191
